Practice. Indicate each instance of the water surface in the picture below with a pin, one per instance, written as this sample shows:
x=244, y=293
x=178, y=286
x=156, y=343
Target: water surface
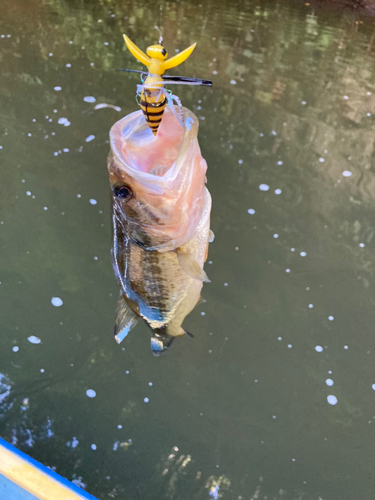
x=274, y=397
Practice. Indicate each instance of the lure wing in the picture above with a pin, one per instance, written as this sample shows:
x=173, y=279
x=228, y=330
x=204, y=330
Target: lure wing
x=137, y=53
x=178, y=58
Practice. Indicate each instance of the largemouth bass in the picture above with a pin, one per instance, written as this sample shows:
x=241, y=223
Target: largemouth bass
x=161, y=223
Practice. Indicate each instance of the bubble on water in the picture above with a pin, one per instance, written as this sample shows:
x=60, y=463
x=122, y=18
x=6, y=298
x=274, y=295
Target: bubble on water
x=66, y=150
x=119, y=426
x=311, y=306
x=146, y=400
x=92, y=201
x=290, y=346
x=331, y=318
x=303, y=103
x=42, y=370
x=150, y=384
x=319, y=348
x=346, y=347
x=89, y=98
x=373, y=386
x=278, y=191
x=264, y=187
x=203, y=313
x=57, y=88
x=28, y=193
x=93, y=447
x=240, y=162
x=287, y=270
x=322, y=160
x=362, y=245
x=332, y=400
x=68, y=65
x=303, y=254
x=292, y=249
x=78, y=195
x=33, y=340
x=90, y=138
x=329, y=382
x=56, y=301
x=90, y=393
x=233, y=82
x=347, y=173
x=251, y=211
x=15, y=348
x=280, y=162
x=45, y=208
x=275, y=235
x=346, y=97
x=63, y=121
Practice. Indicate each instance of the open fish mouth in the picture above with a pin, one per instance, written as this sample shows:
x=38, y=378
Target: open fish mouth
x=160, y=344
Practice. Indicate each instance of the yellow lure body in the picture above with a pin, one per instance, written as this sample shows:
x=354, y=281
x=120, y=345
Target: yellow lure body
x=153, y=100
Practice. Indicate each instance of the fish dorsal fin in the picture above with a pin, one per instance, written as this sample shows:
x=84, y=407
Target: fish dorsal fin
x=190, y=265
x=126, y=319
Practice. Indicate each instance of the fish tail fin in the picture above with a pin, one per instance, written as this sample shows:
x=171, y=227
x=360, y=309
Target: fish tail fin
x=160, y=344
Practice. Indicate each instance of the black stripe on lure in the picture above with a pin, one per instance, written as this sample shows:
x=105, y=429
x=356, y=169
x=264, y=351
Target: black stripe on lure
x=153, y=100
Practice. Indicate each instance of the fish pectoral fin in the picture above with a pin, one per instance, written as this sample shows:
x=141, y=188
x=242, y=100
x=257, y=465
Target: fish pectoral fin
x=190, y=265
x=126, y=319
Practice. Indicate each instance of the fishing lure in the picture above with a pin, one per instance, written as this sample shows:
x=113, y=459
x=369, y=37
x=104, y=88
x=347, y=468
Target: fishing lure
x=153, y=96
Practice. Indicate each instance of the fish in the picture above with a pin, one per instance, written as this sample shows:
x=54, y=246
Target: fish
x=161, y=223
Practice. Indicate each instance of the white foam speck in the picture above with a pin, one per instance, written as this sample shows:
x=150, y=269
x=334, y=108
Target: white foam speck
x=329, y=382
x=251, y=211
x=280, y=162
x=361, y=245
x=311, y=306
x=303, y=254
x=146, y=400
x=332, y=400
x=119, y=426
x=89, y=98
x=33, y=340
x=56, y=301
x=346, y=97
x=347, y=173
x=68, y=65
x=275, y=235
x=57, y=88
x=278, y=191
x=90, y=138
x=15, y=348
x=303, y=103
x=28, y=193
x=264, y=187
x=90, y=393
x=322, y=160
x=42, y=370
x=93, y=447
x=63, y=121
x=66, y=150
x=233, y=82
x=93, y=202
x=373, y=386
x=331, y=318
x=150, y=384
x=346, y=347
x=319, y=348
x=290, y=346
x=287, y=270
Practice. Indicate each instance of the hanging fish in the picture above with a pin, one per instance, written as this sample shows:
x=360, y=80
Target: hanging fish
x=161, y=222
x=152, y=94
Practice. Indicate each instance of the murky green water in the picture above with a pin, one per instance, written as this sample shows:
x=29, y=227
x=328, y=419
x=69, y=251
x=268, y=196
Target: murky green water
x=288, y=131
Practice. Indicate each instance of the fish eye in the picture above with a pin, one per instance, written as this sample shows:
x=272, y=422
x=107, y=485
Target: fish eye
x=122, y=191
x=164, y=52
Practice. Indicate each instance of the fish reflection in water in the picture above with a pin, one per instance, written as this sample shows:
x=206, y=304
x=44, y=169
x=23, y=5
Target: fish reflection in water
x=161, y=223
